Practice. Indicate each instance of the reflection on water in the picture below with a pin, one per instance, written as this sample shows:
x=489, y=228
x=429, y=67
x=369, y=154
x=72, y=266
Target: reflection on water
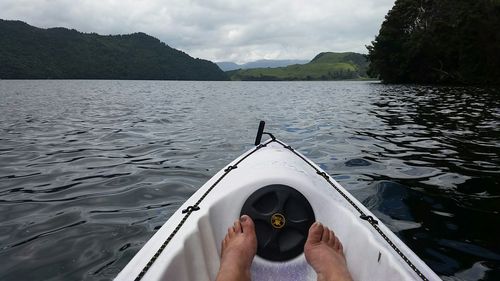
x=90, y=169
x=451, y=134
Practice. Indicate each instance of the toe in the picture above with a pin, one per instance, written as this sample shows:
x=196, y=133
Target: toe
x=230, y=232
x=315, y=233
x=337, y=244
x=223, y=244
x=247, y=225
x=331, y=239
x=326, y=233
x=237, y=226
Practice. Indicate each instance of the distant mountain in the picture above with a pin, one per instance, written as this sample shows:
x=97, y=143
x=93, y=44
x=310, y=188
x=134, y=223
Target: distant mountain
x=325, y=66
x=27, y=52
x=227, y=66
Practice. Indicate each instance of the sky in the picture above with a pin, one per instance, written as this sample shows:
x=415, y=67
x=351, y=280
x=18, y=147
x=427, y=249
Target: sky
x=219, y=30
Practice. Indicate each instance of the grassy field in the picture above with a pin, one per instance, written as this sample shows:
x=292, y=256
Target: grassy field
x=325, y=66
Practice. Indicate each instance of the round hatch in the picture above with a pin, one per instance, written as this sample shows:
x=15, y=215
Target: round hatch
x=282, y=217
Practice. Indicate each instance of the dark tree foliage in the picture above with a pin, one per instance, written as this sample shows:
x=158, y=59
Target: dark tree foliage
x=28, y=52
x=438, y=41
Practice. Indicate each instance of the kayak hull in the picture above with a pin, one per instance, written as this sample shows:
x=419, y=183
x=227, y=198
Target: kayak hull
x=187, y=246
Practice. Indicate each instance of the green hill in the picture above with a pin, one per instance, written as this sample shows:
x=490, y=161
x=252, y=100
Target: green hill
x=325, y=66
x=27, y=52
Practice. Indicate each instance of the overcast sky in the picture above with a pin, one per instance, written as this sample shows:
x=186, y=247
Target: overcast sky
x=219, y=30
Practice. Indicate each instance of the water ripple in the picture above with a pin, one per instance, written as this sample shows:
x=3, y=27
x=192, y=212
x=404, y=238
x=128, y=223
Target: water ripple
x=89, y=170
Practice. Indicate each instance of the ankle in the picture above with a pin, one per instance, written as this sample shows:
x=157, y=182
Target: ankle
x=233, y=273
x=333, y=276
x=324, y=277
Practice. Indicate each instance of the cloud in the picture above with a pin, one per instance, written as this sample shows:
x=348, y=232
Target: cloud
x=219, y=30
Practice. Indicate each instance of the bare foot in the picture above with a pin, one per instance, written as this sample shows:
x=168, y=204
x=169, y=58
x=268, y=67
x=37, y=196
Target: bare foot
x=238, y=249
x=324, y=253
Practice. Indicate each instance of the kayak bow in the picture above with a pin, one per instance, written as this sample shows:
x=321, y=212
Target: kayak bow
x=284, y=192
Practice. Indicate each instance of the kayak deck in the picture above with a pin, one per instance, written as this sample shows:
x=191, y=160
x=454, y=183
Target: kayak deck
x=187, y=246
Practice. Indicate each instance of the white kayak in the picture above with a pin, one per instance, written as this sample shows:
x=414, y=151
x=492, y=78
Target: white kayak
x=271, y=182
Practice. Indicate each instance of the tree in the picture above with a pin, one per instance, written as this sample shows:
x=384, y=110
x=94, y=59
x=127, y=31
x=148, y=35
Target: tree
x=440, y=41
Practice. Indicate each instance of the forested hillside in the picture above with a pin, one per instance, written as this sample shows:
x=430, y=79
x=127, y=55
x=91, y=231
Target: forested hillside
x=439, y=41
x=27, y=52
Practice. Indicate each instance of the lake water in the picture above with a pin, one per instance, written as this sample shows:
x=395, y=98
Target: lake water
x=90, y=169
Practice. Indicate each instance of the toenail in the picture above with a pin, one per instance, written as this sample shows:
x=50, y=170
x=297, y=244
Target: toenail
x=244, y=218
